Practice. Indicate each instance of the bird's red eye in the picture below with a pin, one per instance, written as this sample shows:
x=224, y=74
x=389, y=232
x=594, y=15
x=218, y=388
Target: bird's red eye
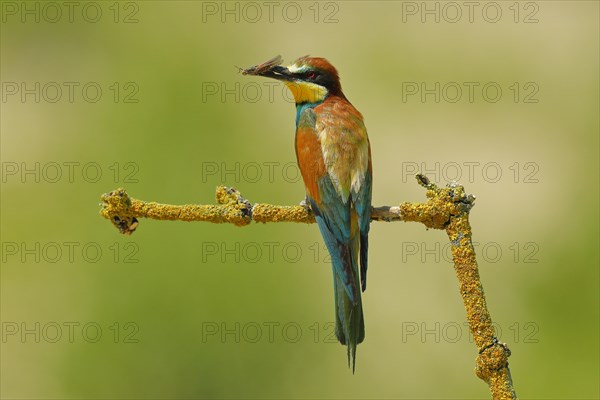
x=311, y=75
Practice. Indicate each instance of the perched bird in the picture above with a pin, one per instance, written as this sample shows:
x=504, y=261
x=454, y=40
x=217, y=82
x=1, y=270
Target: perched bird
x=334, y=156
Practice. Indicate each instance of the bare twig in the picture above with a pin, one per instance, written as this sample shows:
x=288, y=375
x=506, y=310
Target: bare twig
x=446, y=208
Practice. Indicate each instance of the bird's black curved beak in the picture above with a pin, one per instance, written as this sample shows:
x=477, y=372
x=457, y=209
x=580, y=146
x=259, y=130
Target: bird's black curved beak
x=277, y=72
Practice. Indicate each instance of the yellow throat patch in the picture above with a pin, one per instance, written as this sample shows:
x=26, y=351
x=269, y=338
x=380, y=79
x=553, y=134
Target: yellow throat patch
x=306, y=92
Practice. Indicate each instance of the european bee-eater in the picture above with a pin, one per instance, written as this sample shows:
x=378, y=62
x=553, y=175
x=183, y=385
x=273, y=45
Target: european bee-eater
x=334, y=156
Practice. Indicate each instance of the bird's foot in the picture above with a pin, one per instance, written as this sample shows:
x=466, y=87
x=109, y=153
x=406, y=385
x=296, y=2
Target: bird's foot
x=306, y=203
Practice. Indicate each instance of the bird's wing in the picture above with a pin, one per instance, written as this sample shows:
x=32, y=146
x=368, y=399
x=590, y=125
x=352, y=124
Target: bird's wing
x=347, y=154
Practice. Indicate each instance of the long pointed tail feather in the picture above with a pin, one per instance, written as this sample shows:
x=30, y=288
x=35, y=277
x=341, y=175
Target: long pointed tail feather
x=345, y=259
x=350, y=324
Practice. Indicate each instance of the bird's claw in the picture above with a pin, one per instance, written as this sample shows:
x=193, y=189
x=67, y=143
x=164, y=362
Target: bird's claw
x=305, y=203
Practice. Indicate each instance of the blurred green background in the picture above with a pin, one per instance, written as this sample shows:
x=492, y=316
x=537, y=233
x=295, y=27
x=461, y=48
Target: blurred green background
x=182, y=310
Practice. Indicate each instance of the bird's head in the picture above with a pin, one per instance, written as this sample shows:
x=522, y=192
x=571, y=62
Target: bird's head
x=310, y=79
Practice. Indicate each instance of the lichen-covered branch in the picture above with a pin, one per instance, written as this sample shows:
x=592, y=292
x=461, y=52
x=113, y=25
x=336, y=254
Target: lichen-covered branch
x=446, y=208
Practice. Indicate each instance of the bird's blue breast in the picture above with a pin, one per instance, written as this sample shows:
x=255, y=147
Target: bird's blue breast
x=300, y=108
